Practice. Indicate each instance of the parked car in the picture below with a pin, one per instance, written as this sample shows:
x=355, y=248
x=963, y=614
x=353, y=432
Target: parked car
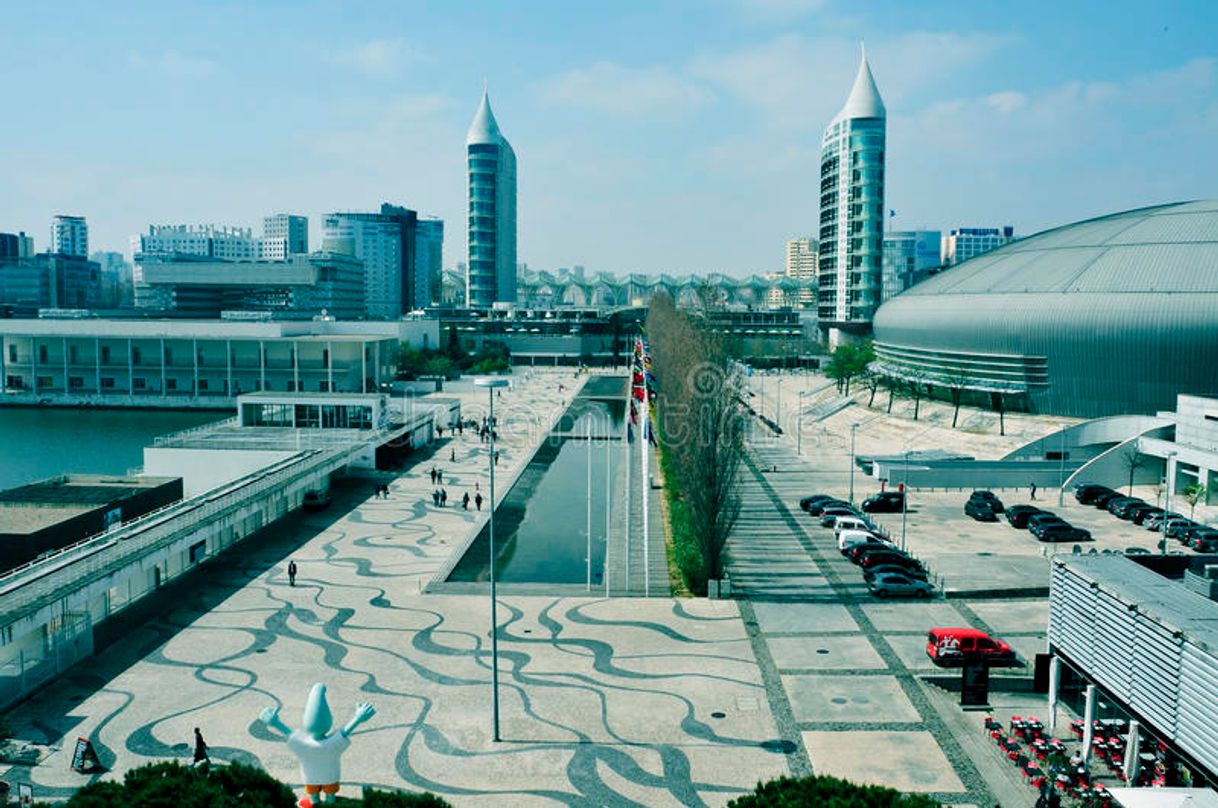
x=1155, y=522
x=1146, y=514
x=990, y=497
x=875, y=558
x=315, y=501
x=818, y=507
x=1086, y=493
x=1197, y=539
x=858, y=550
x=1118, y=506
x=1207, y=545
x=1176, y=528
x=1018, y=515
x=885, y=502
x=828, y=517
x=1043, y=516
x=1193, y=532
x=1130, y=512
x=953, y=647
x=1102, y=499
x=910, y=572
x=807, y=502
x=1041, y=527
x=1063, y=532
x=852, y=523
x=849, y=538
x=894, y=584
x=980, y=510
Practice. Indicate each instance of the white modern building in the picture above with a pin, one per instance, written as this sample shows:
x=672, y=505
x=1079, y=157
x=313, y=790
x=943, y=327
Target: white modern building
x=283, y=235
x=802, y=266
x=852, y=212
x=962, y=243
x=195, y=363
x=208, y=240
x=69, y=236
x=909, y=256
x=491, y=277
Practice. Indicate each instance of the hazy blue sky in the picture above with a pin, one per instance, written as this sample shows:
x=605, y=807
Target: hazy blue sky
x=651, y=136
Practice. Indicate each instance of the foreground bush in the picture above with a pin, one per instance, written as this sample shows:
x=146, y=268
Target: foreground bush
x=826, y=792
x=235, y=785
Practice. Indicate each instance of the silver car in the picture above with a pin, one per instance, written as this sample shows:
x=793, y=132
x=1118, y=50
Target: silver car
x=895, y=585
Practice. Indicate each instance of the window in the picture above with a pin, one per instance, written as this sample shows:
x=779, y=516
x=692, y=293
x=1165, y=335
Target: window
x=76, y=382
x=72, y=354
x=139, y=383
x=42, y=353
x=168, y=356
x=323, y=386
x=43, y=382
x=107, y=383
x=135, y=356
x=171, y=384
x=12, y=353
x=308, y=416
x=105, y=354
x=202, y=385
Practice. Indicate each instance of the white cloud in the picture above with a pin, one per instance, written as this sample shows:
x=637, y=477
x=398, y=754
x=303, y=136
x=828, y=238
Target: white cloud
x=617, y=90
x=378, y=58
x=1007, y=101
x=172, y=62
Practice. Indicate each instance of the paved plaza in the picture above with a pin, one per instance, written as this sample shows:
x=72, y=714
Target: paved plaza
x=649, y=701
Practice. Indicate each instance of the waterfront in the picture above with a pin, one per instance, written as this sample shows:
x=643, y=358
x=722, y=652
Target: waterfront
x=41, y=442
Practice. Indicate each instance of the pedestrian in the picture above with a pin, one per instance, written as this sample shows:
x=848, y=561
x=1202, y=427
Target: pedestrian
x=440, y=476
x=291, y=573
x=443, y=497
x=452, y=455
x=435, y=497
x=433, y=475
x=385, y=490
x=1032, y=490
x=477, y=485
x=465, y=502
x=439, y=431
x=478, y=501
x=460, y=428
x=200, y=749
x=496, y=457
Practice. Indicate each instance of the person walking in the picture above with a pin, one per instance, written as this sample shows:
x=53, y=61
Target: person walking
x=452, y=455
x=465, y=502
x=435, y=497
x=433, y=475
x=443, y=497
x=1032, y=491
x=496, y=457
x=440, y=476
x=200, y=749
x=291, y=573
x=478, y=501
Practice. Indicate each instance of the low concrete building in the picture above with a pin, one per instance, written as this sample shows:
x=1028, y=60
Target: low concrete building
x=51, y=514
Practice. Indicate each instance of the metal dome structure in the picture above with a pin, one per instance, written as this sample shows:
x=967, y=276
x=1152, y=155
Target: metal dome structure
x=1102, y=317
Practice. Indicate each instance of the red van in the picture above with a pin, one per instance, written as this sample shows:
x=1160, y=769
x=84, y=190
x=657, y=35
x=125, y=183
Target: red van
x=952, y=647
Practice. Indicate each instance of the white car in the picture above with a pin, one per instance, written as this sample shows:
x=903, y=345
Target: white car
x=851, y=523
x=847, y=538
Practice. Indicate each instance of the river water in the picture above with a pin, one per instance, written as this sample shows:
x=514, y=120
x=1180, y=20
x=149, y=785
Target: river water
x=41, y=442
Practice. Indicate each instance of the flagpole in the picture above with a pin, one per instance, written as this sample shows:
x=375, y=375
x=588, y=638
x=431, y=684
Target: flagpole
x=644, y=438
x=608, y=501
x=626, y=450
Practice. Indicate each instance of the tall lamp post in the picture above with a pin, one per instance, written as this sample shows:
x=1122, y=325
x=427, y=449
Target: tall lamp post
x=491, y=384
x=853, y=428
x=904, y=497
x=799, y=426
x=1169, y=480
x=778, y=402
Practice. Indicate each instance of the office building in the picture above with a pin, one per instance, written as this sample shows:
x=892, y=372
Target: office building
x=1110, y=316
x=207, y=240
x=283, y=235
x=428, y=263
x=15, y=245
x=117, y=282
x=852, y=212
x=963, y=243
x=385, y=242
x=69, y=236
x=49, y=281
x=802, y=266
x=491, y=276
x=301, y=285
x=909, y=257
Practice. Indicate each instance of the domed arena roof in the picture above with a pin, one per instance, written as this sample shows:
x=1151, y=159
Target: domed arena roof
x=1112, y=315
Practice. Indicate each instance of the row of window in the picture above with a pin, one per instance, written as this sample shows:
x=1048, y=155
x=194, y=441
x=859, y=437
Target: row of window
x=14, y=382
x=137, y=357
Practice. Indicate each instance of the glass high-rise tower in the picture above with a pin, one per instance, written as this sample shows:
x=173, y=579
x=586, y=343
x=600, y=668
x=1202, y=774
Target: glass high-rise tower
x=850, y=264
x=491, y=274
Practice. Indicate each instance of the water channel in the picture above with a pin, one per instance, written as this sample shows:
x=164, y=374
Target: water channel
x=541, y=524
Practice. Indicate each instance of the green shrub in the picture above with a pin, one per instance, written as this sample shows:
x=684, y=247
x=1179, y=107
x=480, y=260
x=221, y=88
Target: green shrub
x=826, y=792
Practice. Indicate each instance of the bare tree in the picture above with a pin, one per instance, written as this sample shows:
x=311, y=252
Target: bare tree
x=1133, y=460
x=957, y=382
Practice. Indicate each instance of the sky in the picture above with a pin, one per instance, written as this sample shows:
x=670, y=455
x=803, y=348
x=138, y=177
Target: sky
x=652, y=136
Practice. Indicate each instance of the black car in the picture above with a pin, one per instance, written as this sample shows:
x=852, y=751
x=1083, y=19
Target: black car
x=989, y=497
x=1102, y=499
x=1193, y=534
x=1032, y=519
x=1063, y=532
x=808, y=502
x=1018, y=515
x=912, y=572
x=1118, y=505
x=1144, y=514
x=1043, y=526
x=885, y=502
x=980, y=510
x=816, y=508
x=1132, y=512
x=1177, y=528
x=1085, y=494
x=877, y=558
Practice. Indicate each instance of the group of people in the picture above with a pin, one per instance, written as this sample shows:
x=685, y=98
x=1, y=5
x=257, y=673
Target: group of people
x=382, y=491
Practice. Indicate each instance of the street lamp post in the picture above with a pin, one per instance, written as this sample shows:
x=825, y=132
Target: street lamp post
x=799, y=426
x=1168, y=483
x=491, y=384
x=853, y=427
x=904, y=497
x=778, y=402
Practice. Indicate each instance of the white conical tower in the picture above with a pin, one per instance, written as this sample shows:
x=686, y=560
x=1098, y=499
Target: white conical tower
x=864, y=100
x=484, y=129
x=491, y=271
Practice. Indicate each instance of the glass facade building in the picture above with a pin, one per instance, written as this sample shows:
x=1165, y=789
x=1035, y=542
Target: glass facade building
x=491, y=272
x=852, y=211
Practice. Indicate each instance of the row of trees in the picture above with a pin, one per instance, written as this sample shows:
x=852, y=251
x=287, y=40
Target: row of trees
x=452, y=359
x=699, y=415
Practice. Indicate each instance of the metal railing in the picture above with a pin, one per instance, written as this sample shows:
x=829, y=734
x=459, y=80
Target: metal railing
x=168, y=437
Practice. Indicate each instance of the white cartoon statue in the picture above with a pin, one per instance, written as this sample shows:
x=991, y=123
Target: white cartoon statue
x=318, y=750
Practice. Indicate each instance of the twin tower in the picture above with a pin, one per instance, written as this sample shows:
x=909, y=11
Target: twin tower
x=851, y=233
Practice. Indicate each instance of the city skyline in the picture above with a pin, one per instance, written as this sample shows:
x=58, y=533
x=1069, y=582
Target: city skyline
x=689, y=121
